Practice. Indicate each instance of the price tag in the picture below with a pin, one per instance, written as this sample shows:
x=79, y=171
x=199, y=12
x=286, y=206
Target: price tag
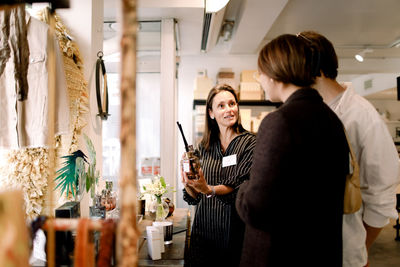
x=186, y=167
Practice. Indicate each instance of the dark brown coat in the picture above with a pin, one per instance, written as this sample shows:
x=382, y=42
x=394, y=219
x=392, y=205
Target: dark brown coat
x=293, y=203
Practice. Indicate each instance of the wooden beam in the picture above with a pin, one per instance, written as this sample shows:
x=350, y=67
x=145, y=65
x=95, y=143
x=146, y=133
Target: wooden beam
x=127, y=233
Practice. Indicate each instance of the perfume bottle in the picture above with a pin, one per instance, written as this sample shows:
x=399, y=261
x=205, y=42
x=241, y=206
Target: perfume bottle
x=108, y=197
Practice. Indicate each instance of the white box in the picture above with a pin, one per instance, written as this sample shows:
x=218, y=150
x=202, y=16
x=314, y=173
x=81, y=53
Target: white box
x=153, y=242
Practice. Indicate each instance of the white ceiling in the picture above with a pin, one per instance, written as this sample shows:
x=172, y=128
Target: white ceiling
x=351, y=25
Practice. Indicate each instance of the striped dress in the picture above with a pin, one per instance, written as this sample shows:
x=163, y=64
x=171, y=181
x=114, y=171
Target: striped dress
x=217, y=232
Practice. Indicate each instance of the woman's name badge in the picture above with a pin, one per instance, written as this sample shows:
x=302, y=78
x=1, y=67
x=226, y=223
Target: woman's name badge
x=228, y=161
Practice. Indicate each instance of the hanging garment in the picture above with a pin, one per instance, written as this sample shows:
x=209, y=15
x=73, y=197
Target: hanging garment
x=25, y=124
x=107, y=243
x=14, y=44
x=76, y=83
x=84, y=247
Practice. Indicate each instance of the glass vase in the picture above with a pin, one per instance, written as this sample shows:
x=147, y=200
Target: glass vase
x=160, y=208
x=80, y=188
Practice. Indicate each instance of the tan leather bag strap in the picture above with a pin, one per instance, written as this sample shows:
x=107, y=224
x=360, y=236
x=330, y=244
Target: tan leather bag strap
x=353, y=161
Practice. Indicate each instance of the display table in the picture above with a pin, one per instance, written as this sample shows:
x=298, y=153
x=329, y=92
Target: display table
x=174, y=253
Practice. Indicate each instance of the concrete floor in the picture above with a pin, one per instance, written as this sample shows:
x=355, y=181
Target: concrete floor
x=385, y=252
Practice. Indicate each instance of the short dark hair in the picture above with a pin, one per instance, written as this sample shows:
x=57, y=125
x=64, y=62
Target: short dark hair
x=288, y=59
x=211, y=131
x=329, y=61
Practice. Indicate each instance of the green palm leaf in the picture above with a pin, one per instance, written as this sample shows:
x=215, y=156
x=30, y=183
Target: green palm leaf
x=91, y=150
x=68, y=175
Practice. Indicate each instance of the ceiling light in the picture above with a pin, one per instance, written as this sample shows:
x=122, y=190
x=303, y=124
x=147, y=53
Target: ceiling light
x=360, y=56
x=213, y=6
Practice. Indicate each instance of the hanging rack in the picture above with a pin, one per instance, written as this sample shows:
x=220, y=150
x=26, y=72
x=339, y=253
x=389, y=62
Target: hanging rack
x=70, y=224
x=55, y=4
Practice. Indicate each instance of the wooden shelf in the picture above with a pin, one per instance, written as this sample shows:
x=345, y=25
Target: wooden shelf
x=202, y=102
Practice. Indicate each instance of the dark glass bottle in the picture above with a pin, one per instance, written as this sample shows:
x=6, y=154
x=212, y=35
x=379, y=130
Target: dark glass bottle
x=191, y=163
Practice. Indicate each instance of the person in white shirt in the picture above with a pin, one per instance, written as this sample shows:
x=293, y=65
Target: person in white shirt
x=374, y=149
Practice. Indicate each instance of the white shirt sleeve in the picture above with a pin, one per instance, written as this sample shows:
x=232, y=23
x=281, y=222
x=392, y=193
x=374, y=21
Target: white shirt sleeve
x=379, y=166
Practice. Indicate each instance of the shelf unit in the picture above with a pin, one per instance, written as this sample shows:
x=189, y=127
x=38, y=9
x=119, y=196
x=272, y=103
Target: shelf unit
x=202, y=102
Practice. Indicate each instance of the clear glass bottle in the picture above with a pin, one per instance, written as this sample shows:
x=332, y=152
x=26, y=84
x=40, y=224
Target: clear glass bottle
x=97, y=210
x=191, y=163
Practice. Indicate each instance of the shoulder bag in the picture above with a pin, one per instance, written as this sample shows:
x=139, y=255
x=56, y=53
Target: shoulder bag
x=352, y=191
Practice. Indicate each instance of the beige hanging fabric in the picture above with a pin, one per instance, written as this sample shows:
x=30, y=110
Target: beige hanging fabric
x=25, y=163
x=76, y=83
x=14, y=45
x=84, y=247
x=27, y=169
x=352, y=192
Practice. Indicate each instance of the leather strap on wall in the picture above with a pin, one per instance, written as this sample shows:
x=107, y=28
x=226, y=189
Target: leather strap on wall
x=102, y=102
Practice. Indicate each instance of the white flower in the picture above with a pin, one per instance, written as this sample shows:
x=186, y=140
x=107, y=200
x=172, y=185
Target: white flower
x=157, y=187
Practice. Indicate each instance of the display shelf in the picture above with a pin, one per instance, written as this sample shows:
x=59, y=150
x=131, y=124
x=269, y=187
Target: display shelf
x=202, y=102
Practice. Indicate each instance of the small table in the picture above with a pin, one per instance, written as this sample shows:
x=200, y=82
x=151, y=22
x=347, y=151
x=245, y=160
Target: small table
x=175, y=252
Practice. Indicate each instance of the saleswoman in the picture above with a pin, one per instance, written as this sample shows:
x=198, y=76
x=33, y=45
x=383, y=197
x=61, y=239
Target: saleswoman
x=226, y=151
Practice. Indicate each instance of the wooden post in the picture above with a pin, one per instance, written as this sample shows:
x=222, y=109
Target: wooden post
x=127, y=234
x=50, y=139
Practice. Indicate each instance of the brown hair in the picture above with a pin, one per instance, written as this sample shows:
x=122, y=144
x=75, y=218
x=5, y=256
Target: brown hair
x=329, y=60
x=290, y=60
x=211, y=131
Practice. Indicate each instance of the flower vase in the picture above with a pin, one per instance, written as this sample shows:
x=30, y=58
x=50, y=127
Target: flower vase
x=160, y=208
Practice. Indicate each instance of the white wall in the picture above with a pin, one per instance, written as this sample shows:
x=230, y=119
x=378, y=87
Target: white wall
x=390, y=110
x=84, y=19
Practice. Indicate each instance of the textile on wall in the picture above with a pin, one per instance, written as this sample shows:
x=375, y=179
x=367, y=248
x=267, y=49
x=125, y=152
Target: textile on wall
x=25, y=157
x=76, y=83
x=27, y=169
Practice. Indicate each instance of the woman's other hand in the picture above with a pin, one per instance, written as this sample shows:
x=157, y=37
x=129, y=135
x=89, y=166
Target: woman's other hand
x=189, y=189
x=200, y=185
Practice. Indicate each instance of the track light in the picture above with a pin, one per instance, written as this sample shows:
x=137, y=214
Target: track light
x=360, y=56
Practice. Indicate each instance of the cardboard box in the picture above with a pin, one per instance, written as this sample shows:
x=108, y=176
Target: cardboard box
x=229, y=75
x=247, y=76
x=251, y=91
x=245, y=116
x=202, y=87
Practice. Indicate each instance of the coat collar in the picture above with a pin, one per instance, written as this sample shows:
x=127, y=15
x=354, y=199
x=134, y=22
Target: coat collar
x=304, y=93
